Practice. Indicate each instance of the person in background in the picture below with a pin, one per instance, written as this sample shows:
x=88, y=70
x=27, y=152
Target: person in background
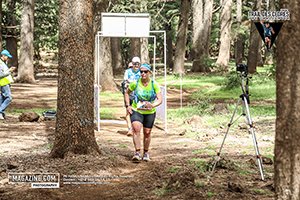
x=147, y=96
x=268, y=33
x=131, y=74
x=5, y=81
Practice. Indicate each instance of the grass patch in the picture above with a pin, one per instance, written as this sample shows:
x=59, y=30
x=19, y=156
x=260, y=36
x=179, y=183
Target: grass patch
x=261, y=191
x=108, y=113
x=244, y=172
x=161, y=191
x=174, y=169
x=200, y=164
x=211, y=89
x=192, y=81
x=199, y=184
x=110, y=96
x=123, y=146
x=206, y=151
x=210, y=194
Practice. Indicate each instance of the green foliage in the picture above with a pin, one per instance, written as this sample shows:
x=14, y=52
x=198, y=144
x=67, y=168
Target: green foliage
x=210, y=194
x=174, y=169
x=162, y=190
x=200, y=164
x=232, y=81
x=46, y=25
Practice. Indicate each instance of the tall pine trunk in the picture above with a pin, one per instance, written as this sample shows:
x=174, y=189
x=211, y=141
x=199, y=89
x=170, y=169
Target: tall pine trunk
x=169, y=44
x=202, y=20
x=225, y=38
x=181, y=37
x=26, y=68
x=135, y=47
x=117, y=61
x=144, y=51
x=239, y=41
x=106, y=70
x=254, y=47
x=287, y=146
x=1, y=24
x=75, y=101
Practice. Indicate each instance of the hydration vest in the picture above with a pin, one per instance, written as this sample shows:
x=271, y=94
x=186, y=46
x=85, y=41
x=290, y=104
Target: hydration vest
x=140, y=97
x=5, y=80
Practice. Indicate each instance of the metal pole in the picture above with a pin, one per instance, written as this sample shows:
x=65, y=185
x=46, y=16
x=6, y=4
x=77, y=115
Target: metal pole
x=165, y=75
x=217, y=158
x=98, y=81
x=165, y=68
x=180, y=90
x=154, y=57
x=251, y=130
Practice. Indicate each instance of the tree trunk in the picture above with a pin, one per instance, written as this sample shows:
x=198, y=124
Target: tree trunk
x=117, y=61
x=169, y=44
x=260, y=61
x=106, y=72
x=287, y=146
x=1, y=25
x=26, y=68
x=144, y=51
x=135, y=47
x=254, y=44
x=239, y=42
x=75, y=100
x=225, y=38
x=182, y=37
x=105, y=55
x=11, y=40
x=202, y=19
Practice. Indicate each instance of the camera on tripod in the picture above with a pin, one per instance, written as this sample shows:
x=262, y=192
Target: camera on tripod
x=243, y=68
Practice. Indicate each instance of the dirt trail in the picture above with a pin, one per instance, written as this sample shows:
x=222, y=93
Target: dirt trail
x=177, y=169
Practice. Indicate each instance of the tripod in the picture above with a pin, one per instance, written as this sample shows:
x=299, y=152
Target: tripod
x=244, y=97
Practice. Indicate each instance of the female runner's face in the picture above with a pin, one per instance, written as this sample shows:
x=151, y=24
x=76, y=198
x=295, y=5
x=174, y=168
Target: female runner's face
x=144, y=73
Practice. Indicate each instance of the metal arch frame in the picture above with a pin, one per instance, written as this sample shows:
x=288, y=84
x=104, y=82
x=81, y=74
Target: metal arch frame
x=97, y=74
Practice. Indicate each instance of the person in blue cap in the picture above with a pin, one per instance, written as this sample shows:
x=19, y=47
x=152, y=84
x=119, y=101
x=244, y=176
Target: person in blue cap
x=5, y=81
x=147, y=96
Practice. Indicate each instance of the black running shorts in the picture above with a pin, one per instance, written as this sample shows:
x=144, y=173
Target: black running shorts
x=146, y=119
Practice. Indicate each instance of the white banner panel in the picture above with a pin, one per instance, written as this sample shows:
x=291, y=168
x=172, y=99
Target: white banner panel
x=161, y=109
x=125, y=24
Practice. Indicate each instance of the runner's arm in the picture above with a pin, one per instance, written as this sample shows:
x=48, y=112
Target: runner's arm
x=158, y=101
x=127, y=101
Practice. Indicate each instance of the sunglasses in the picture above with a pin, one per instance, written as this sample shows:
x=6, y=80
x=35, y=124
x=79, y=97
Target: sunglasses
x=144, y=72
x=136, y=63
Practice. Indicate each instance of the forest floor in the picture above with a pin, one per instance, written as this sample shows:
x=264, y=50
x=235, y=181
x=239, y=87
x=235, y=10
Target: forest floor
x=179, y=166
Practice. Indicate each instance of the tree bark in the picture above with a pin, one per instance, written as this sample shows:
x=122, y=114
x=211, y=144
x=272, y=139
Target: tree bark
x=117, y=61
x=107, y=81
x=144, y=51
x=287, y=147
x=182, y=37
x=239, y=42
x=135, y=47
x=202, y=19
x=1, y=24
x=11, y=40
x=169, y=44
x=225, y=38
x=75, y=100
x=254, y=44
x=26, y=68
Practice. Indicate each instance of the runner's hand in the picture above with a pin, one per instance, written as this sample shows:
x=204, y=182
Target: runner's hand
x=12, y=69
x=129, y=110
x=148, y=106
